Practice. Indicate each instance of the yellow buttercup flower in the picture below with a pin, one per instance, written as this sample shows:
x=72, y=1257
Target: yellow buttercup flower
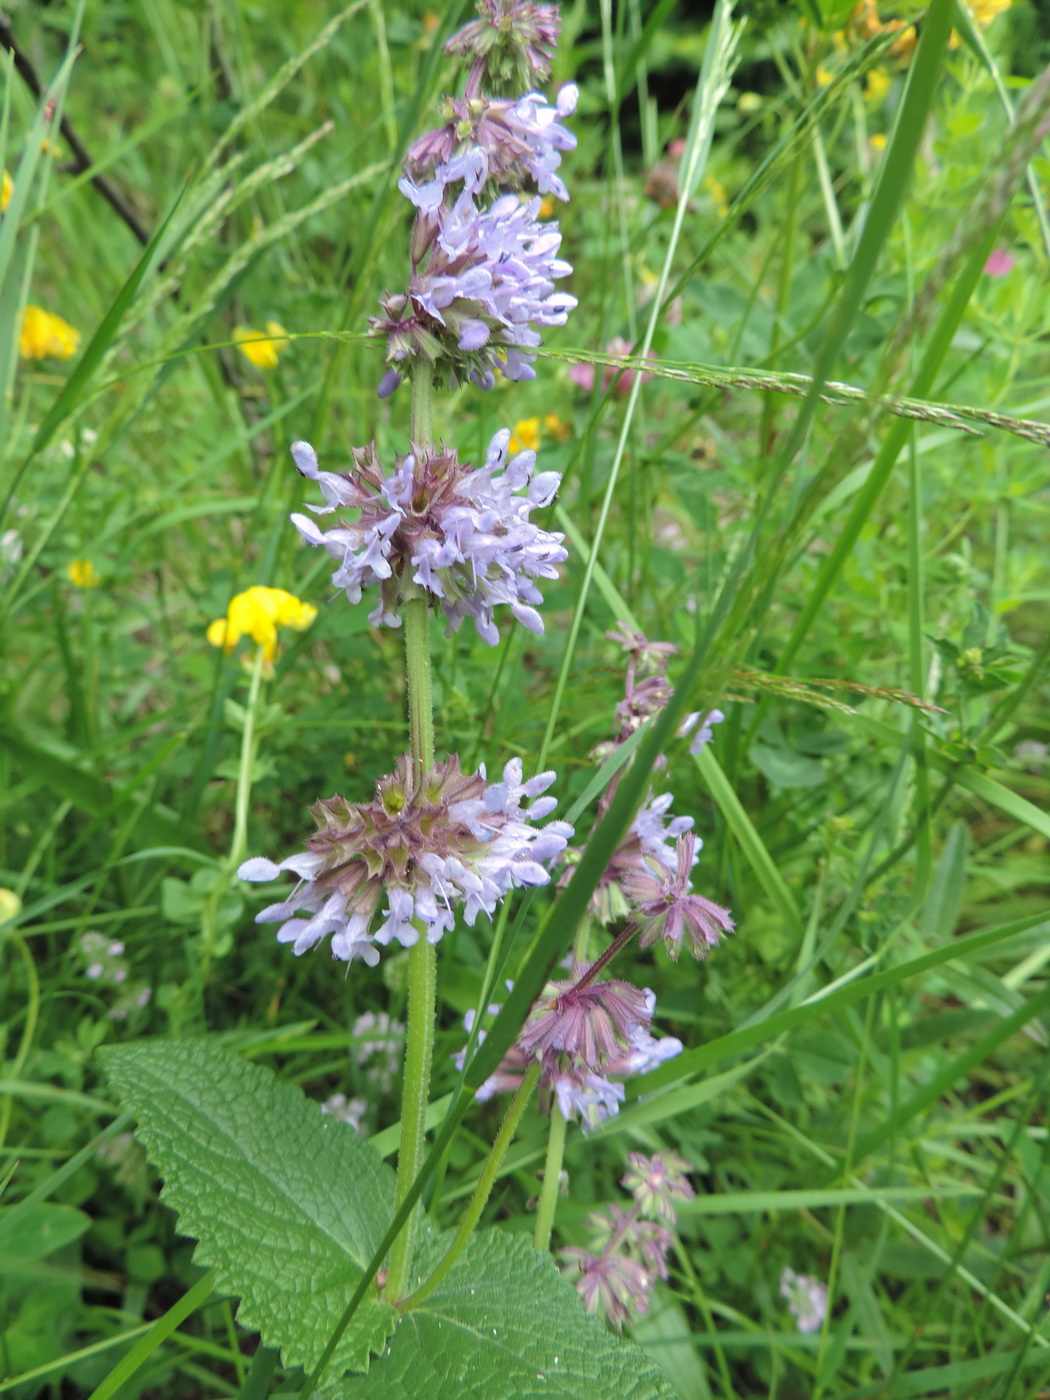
x=83, y=573
x=263, y=351
x=984, y=11
x=526, y=435
x=878, y=142
x=258, y=613
x=46, y=336
x=559, y=431
x=824, y=77
x=7, y=191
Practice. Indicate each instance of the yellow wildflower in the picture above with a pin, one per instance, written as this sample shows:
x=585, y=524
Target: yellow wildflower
x=526, y=435
x=7, y=191
x=546, y=207
x=878, y=142
x=46, y=336
x=878, y=84
x=83, y=573
x=824, y=77
x=258, y=613
x=558, y=430
x=261, y=350
x=984, y=11
x=717, y=191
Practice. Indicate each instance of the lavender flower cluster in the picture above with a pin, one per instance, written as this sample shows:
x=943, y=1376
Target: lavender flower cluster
x=588, y=1036
x=628, y=1248
x=453, y=839
x=463, y=534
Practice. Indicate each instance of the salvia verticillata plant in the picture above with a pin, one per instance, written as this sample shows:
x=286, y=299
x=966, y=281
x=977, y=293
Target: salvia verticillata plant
x=429, y=533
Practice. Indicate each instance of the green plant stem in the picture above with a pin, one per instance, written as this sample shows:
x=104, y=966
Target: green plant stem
x=239, y=844
x=483, y=1190
x=422, y=958
x=541, y=1237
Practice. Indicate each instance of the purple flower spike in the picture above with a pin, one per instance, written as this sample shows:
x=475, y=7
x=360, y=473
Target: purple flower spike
x=668, y=910
x=461, y=533
x=611, y=1285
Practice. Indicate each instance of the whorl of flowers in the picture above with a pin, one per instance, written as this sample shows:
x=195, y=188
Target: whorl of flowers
x=807, y=1300
x=588, y=1039
x=666, y=907
x=462, y=534
x=649, y=838
x=482, y=280
x=512, y=44
x=522, y=140
x=455, y=839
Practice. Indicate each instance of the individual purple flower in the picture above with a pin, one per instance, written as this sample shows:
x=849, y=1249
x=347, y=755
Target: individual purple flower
x=452, y=839
x=461, y=533
x=666, y=907
x=522, y=140
x=705, y=733
x=807, y=1300
x=613, y=1286
x=657, y=1182
x=482, y=281
x=617, y=1229
x=511, y=45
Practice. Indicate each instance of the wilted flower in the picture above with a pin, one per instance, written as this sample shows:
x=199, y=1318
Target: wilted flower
x=452, y=839
x=511, y=44
x=666, y=907
x=82, y=573
x=656, y=1182
x=257, y=613
x=263, y=351
x=461, y=533
x=46, y=336
x=807, y=1300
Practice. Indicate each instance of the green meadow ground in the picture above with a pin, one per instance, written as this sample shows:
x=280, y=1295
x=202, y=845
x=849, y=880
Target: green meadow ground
x=863, y=1092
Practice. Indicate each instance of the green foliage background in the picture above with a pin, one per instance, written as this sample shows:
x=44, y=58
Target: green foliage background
x=889, y=1135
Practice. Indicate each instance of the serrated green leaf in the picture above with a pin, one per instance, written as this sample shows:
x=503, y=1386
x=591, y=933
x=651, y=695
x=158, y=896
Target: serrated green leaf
x=506, y=1326
x=288, y=1204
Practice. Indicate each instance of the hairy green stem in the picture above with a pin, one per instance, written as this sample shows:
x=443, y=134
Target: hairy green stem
x=239, y=844
x=422, y=958
x=483, y=1190
x=541, y=1237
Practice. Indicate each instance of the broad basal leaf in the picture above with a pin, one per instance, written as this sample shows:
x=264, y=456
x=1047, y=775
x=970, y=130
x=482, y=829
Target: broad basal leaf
x=288, y=1204
x=506, y=1326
